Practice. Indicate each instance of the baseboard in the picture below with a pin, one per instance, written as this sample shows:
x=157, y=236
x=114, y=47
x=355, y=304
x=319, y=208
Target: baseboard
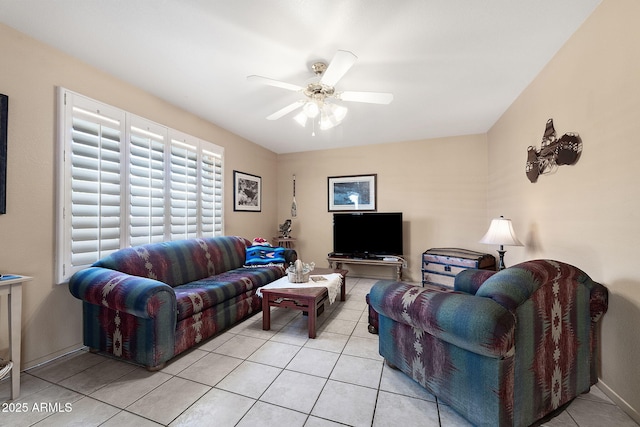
x=622, y=404
x=50, y=357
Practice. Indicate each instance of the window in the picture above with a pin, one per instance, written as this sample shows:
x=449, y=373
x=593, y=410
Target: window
x=127, y=181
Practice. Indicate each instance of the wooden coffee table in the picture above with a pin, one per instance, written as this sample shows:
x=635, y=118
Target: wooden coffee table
x=308, y=300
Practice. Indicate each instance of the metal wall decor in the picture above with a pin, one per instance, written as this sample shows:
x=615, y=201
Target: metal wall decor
x=553, y=152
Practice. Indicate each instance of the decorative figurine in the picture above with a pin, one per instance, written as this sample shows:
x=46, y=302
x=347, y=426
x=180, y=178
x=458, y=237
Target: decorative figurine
x=285, y=229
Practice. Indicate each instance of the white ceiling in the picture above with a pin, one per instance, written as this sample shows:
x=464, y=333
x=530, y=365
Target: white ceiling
x=454, y=66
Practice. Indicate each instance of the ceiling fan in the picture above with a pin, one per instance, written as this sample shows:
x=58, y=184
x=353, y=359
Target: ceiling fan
x=319, y=93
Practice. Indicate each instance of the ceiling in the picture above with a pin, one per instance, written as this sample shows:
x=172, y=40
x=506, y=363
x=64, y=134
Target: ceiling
x=454, y=66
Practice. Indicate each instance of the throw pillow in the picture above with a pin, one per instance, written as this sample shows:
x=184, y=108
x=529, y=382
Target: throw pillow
x=264, y=255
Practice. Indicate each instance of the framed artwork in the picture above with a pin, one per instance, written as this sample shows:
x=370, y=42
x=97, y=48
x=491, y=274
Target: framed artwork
x=4, y=112
x=352, y=193
x=247, y=192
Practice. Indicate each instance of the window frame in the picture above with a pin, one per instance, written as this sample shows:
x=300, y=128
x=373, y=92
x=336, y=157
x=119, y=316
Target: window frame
x=209, y=167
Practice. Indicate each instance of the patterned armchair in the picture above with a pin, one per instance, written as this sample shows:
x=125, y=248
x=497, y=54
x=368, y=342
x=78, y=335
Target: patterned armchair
x=503, y=349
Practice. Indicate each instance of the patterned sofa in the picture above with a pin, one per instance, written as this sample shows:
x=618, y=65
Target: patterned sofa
x=150, y=303
x=502, y=349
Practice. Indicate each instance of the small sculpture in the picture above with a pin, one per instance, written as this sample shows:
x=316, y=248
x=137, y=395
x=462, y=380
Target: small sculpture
x=299, y=271
x=285, y=229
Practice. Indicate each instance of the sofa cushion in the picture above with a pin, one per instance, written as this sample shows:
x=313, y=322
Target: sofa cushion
x=180, y=261
x=201, y=294
x=515, y=285
x=475, y=324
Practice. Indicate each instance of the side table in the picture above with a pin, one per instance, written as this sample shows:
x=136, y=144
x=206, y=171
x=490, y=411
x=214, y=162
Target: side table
x=11, y=286
x=286, y=242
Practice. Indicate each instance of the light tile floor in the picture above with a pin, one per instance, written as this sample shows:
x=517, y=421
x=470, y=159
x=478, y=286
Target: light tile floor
x=250, y=377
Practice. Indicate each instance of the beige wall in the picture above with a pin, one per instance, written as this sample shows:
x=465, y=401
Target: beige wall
x=29, y=75
x=438, y=185
x=587, y=214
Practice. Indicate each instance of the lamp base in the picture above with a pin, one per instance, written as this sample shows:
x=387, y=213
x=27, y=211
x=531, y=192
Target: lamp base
x=501, y=265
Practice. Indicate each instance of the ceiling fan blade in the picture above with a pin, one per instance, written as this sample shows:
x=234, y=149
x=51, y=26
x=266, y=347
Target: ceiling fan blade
x=369, y=97
x=342, y=61
x=276, y=83
x=286, y=110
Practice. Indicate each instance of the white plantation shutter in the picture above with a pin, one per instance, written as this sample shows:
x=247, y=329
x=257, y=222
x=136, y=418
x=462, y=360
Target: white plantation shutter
x=126, y=181
x=94, y=205
x=184, y=190
x=211, y=193
x=146, y=183
x=196, y=188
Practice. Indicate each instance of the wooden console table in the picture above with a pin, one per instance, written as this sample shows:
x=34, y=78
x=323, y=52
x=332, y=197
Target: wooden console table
x=336, y=262
x=11, y=286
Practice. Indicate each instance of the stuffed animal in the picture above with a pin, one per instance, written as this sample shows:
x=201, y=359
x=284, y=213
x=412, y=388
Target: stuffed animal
x=259, y=241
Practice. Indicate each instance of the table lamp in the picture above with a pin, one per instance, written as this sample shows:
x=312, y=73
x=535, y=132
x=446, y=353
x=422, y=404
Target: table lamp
x=501, y=233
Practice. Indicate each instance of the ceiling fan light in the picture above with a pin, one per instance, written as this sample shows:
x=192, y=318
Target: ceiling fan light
x=331, y=115
x=311, y=109
x=339, y=112
x=301, y=118
x=327, y=121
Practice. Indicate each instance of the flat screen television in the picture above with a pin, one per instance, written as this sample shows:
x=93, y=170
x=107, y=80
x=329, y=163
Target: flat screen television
x=367, y=235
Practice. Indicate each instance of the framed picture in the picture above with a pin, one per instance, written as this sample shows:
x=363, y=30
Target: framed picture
x=4, y=112
x=247, y=192
x=352, y=193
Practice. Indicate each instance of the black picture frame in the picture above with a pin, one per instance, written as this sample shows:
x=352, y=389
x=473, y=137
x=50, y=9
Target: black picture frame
x=356, y=193
x=4, y=120
x=247, y=192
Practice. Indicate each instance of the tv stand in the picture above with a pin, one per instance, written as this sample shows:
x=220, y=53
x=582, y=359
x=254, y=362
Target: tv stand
x=336, y=262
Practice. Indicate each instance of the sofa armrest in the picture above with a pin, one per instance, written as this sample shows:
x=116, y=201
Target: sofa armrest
x=598, y=300
x=468, y=281
x=290, y=257
x=476, y=324
x=115, y=290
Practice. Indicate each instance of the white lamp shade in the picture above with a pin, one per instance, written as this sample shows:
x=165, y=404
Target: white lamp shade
x=339, y=112
x=501, y=233
x=311, y=109
x=301, y=118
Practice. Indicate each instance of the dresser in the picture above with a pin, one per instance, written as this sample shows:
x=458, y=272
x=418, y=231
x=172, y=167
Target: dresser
x=441, y=265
